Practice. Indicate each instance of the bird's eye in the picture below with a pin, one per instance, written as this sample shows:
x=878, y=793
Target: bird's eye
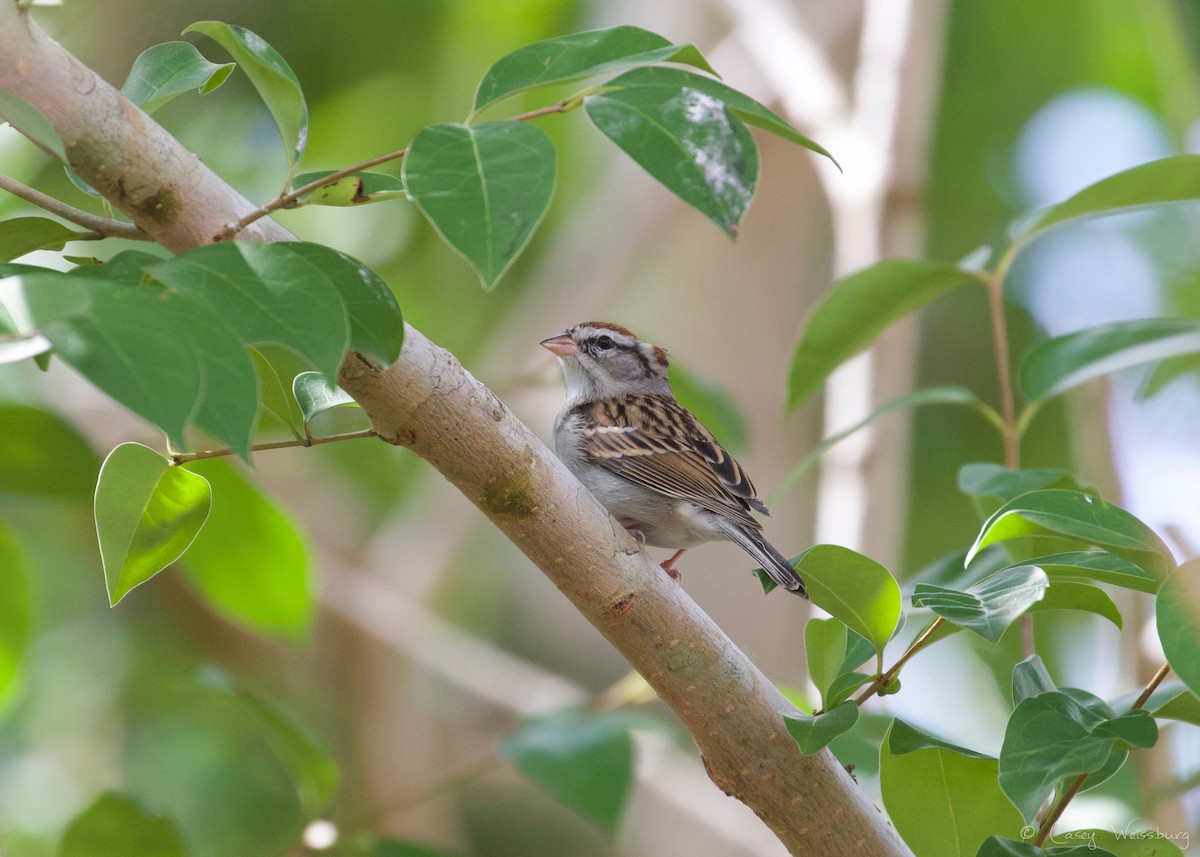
x=604, y=343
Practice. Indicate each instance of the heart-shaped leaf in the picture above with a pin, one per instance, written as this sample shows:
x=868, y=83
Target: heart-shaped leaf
x=272, y=77
x=578, y=55
x=147, y=514
x=857, y=309
x=1056, y=365
x=990, y=606
x=484, y=188
x=164, y=71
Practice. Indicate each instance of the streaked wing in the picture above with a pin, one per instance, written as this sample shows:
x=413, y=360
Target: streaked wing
x=655, y=442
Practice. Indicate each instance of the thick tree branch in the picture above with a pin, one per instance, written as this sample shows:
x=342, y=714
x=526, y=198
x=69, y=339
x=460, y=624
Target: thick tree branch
x=426, y=401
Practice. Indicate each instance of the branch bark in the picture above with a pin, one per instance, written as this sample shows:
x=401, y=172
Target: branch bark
x=427, y=402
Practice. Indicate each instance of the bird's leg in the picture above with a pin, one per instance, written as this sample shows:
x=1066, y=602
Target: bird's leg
x=631, y=527
x=669, y=565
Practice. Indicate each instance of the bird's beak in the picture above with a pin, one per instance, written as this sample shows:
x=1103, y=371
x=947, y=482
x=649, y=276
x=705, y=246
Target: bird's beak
x=561, y=345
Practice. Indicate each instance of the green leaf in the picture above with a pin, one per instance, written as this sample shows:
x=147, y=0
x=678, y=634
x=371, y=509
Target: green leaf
x=917, y=399
x=579, y=55
x=990, y=606
x=1073, y=595
x=354, y=189
x=395, y=848
x=1000, y=846
x=687, y=140
x=134, y=345
x=824, y=649
x=712, y=405
x=252, y=562
x=582, y=759
x=1078, y=516
x=272, y=77
x=484, y=188
x=266, y=293
x=32, y=123
x=844, y=685
x=738, y=103
x=1173, y=179
x=1096, y=565
x=16, y=609
x=984, y=479
x=1127, y=842
x=1056, y=734
x=1056, y=365
x=850, y=587
x=164, y=71
x=376, y=326
x=21, y=235
x=275, y=398
x=814, y=733
x=315, y=395
x=1172, y=701
x=147, y=513
x=857, y=309
x=117, y=826
x=1031, y=678
x=43, y=456
x=1177, y=614
x=943, y=801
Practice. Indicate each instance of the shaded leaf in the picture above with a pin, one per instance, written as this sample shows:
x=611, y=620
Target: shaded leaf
x=147, y=514
x=42, y=455
x=844, y=685
x=275, y=399
x=1128, y=842
x=1081, y=517
x=990, y=606
x=578, y=55
x=1173, y=179
x=1096, y=565
x=712, y=405
x=582, y=759
x=484, y=188
x=814, y=733
x=1177, y=615
x=169, y=69
x=272, y=77
x=32, y=123
x=686, y=140
x=252, y=563
x=1056, y=734
x=857, y=309
x=266, y=293
x=943, y=801
x=395, y=848
x=984, y=479
x=116, y=826
x=315, y=396
x=21, y=235
x=1073, y=595
x=1031, y=678
x=1056, y=365
x=354, y=189
x=16, y=609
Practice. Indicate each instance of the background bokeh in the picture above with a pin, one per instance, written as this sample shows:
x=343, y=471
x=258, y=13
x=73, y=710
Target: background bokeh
x=420, y=636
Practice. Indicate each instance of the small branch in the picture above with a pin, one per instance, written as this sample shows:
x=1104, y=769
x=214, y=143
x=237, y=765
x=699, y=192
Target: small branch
x=1008, y=411
x=289, y=199
x=886, y=678
x=103, y=227
x=184, y=457
x=1057, y=810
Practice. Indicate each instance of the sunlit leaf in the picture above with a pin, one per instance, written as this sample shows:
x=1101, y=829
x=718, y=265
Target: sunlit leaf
x=354, y=189
x=824, y=650
x=814, y=733
x=21, y=235
x=1056, y=365
x=1074, y=595
x=16, y=609
x=578, y=55
x=272, y=77
x=484, y=188
x=857, y=309
x=1177, y=613
x=147, y=513
x=169, y=69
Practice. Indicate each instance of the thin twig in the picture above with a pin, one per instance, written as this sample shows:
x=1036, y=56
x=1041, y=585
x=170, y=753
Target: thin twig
x=1057, y=810
x=1008, y=411
x=886, y=678
x=103, y=227
x=184, y=457
x=288, y=199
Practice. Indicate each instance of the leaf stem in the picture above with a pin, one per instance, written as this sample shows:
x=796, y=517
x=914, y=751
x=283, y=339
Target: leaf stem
x=183, y=457
x=883, y=680
x=103, y=227
x=1056, y=811
x=284, y=200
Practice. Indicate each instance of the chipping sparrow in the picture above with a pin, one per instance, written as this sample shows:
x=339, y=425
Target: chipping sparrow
x=645, y=457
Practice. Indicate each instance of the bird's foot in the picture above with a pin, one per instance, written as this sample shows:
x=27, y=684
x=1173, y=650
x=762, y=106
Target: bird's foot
x=669, y=565
x=631, y=527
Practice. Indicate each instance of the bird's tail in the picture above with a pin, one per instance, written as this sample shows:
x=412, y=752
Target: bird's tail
x=772, y=561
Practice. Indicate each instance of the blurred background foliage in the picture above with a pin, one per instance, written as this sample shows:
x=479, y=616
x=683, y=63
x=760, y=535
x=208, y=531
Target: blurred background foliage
x=417, y=637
